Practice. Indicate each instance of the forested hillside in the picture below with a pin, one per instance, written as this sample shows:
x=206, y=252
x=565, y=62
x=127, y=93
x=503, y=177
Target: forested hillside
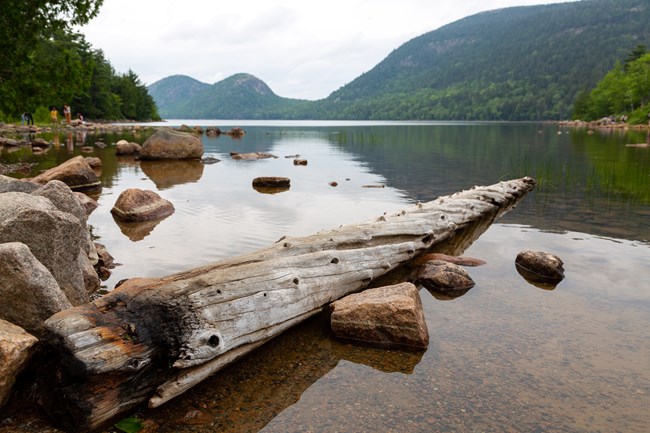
x=44, y=63
x=511, y=64
x=522, y=63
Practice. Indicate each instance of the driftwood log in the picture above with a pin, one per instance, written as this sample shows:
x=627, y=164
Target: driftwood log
x=152, y=339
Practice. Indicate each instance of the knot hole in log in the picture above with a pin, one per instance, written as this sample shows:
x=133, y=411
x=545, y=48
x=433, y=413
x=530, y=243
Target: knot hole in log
x=335, y=260
x=296, y=281
x=427, y=239
x=213, y=341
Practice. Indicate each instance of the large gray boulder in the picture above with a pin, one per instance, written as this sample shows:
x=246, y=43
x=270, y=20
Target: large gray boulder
x=170, y=144
x=390, y=315
x=29, y=292
x=59, y=240
x=16, y=347
x=8, y=184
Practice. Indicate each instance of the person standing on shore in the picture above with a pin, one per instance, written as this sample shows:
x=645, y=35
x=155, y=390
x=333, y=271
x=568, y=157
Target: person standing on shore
x=29, y=118
x=67, y=112
x=54, y=115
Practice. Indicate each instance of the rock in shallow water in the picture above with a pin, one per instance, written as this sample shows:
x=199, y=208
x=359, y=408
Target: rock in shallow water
x=390, y=315
x=446, y=278
x=540, y=267
x=141, y=205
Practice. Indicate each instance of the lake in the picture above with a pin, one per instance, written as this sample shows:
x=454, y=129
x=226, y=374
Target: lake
x=506, y=356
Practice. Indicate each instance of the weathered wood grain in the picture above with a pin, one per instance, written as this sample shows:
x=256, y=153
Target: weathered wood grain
x=152, y=339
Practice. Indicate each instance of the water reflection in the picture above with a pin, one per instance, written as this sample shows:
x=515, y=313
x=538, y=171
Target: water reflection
x=166, y=174
x=137, y=231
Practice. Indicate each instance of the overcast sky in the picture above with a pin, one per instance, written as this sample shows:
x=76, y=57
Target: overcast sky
x=301, y=49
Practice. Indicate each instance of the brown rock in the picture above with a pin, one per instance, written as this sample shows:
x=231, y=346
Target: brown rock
x=236, y=132
x=299, y=162
x=445, y=278
x=390, y=315
x=16, y=347
x=75, y=172
x=540, y=267
x=170, y=144
x=457, y=260
x=271, y=182
x=87, y=203
x=141, y=205
x=251, y=156
x=94, y=162
x=124, y=147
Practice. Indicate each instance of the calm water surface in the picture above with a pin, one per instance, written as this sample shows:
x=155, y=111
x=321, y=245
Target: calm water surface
x=507, y=356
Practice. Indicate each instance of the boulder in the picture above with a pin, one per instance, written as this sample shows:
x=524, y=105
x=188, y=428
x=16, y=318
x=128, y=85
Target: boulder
x=87, y=203
x=390, y=315
x=8, y=184
x=16, y=347
x=540, y=267
x=63, y=198
x=124, y=147
x=170, y=144
x=58, y=239
x=29, y=292
x=41, y=142
x=141, y=205
x=251, y=155
x=94, y=161
x=212, y=131
x=236, y=132
x=445, y=278
x=75, y=172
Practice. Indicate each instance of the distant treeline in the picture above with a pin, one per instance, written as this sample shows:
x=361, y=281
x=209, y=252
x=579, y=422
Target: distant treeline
x=623, y=93
x=44, y=63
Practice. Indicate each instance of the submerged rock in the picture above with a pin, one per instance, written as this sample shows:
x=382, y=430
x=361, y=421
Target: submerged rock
x=299, y=162
x=445, y=278
x=271, y=182
x=390, y=315
x=236, y=132
x=251, y=155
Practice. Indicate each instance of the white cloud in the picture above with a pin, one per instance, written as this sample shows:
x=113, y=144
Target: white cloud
x=300, y=49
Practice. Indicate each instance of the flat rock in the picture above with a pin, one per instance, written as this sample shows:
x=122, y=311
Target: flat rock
x=251, y=156
x=457, y=260
x=171, y=144
x=390, y=315
x=141, y=205
x=16, y=347
x=75, y=172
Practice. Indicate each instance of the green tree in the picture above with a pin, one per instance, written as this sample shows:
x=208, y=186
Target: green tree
x=22, y=25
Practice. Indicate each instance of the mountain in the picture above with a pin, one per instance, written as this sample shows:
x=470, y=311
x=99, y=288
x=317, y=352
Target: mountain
x=519, y=63
x=240, y=96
